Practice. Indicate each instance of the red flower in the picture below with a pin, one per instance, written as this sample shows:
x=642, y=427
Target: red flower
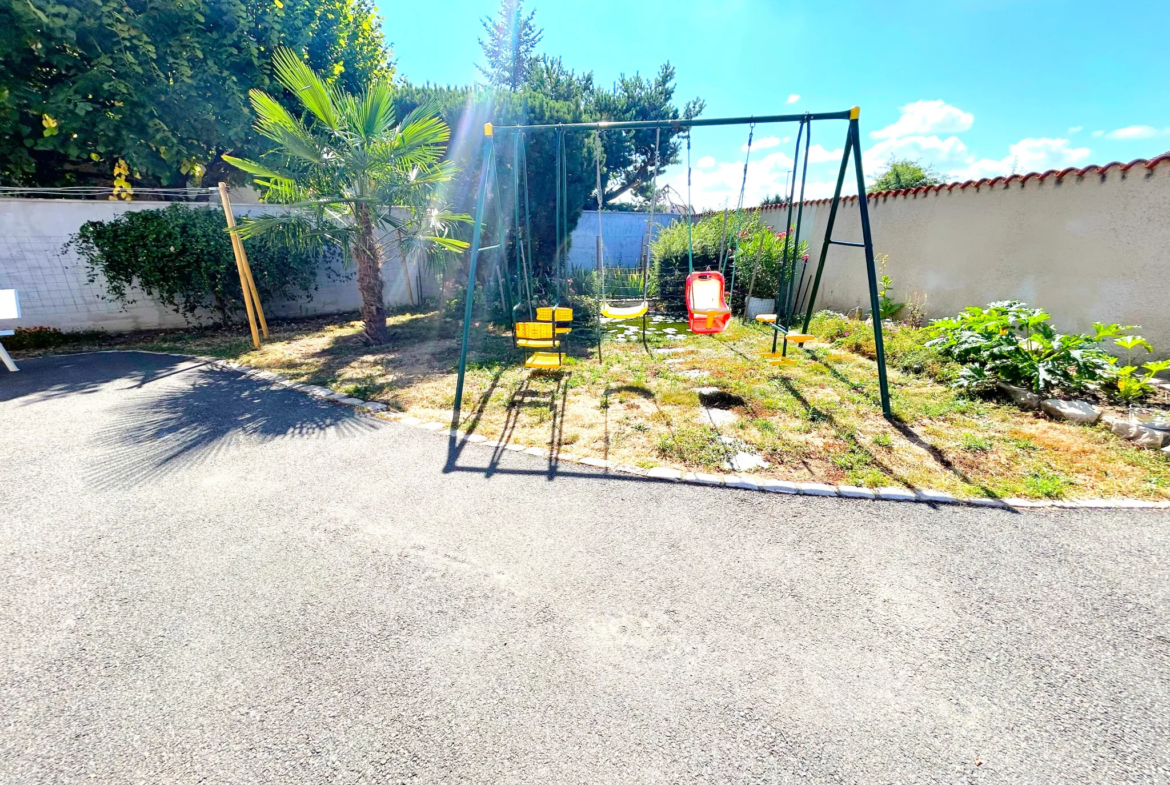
x=805, y=257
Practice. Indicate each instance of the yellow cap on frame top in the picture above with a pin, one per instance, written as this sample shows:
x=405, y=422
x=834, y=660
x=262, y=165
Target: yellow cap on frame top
x=487, y=129
x=854, y=113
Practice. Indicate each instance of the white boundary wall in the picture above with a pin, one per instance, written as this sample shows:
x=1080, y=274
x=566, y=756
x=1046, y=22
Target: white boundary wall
x=1091, y=246
x=54, y=291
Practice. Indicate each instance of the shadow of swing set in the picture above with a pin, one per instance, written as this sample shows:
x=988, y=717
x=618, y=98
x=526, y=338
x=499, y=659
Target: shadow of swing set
x=544, y=328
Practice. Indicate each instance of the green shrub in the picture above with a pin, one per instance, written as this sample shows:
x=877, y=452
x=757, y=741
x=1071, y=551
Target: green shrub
x=1010, y=342
x=33, y=338
x=182, y=257
x=760, y=254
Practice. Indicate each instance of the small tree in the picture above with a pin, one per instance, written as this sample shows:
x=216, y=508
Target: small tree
x=344, y=167
x=510, y=46
x=903, y=173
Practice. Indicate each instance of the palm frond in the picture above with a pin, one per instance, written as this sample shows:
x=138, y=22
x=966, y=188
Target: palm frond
x=258, y=169
x=310, y=89
x=275, y=122
x=372, y=114
x=421, y=142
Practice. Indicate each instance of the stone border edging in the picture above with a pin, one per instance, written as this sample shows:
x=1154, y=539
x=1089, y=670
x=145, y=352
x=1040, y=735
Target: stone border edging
x=663, y=473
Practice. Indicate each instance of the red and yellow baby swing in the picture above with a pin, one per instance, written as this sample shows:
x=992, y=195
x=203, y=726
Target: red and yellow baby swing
x=706, y=296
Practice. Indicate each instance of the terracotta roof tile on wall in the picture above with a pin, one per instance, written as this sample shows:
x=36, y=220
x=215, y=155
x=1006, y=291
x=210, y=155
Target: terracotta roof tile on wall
x=1148, y=163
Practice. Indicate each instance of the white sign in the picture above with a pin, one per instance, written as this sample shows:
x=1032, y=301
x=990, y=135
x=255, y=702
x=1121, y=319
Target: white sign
x=9, y=304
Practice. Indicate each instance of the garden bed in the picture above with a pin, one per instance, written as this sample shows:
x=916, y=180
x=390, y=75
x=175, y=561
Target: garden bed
x=709, y=403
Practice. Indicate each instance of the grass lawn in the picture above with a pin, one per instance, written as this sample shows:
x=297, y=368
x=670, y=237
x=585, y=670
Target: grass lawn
x=696, y=402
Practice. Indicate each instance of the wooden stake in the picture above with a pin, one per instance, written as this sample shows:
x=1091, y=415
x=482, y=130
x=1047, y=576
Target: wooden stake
x=246, y=284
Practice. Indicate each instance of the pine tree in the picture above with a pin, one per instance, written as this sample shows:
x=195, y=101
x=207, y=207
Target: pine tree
x=510, y=45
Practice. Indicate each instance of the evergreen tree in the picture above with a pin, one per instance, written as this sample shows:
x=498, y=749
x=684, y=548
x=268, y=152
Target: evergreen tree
x=510, y=46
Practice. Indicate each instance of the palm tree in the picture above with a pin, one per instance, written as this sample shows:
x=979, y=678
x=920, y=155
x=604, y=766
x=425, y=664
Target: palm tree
x=353, y=176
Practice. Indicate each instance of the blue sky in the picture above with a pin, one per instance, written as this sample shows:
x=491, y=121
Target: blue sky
x=976, y=88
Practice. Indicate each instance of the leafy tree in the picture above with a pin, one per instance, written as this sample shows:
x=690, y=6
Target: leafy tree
x=629, y=159
x=469, y=108
x=510, y=46
x=555, y=95
x=904, y=173
x=157, y=84
x=354, y=176
x=183, y=258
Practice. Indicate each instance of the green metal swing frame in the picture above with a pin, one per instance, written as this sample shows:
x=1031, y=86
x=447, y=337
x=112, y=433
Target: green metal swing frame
x=786, y=295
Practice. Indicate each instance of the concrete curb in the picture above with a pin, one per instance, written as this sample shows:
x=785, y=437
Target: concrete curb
x=667, y=474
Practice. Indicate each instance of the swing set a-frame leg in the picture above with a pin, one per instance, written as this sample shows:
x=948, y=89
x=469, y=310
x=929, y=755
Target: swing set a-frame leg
x=853, y=147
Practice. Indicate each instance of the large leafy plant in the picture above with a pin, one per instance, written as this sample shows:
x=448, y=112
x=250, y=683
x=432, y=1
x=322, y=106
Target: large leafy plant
x=353, y=175
x=1132, y=384
x=1010, y=342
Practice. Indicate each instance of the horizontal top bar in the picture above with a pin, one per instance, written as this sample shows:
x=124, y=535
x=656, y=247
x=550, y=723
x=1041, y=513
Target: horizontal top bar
x=632, y=124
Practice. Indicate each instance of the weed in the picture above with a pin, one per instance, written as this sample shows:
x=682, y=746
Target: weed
x=1046, y=483
x=972, y=443
x=849, y=461
x=365, y=390
x=883, y=440
x=871, y=477
x=1023, y=443
x=693, y=446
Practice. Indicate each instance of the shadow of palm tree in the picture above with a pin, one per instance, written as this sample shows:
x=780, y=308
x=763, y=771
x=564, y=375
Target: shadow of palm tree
x=51, y=378
x=199, y=413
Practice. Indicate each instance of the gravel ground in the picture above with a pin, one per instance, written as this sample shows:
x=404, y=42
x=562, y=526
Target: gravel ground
x=204, y=580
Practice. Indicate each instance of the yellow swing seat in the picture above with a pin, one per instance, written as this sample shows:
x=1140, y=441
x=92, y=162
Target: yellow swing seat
x=556, y=315
x=536, y=335
x=543, y=360
x=548, y=313
x=776, y=358
x=624, y=312
x=770, y=318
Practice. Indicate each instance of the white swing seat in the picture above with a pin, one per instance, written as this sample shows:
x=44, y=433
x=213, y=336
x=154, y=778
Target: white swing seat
x=624, y=312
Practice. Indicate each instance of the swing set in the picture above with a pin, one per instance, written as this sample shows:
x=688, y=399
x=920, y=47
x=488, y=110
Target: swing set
x=545, y=328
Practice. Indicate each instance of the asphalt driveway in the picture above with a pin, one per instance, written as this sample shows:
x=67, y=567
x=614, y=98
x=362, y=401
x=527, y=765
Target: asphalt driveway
x=206, y=580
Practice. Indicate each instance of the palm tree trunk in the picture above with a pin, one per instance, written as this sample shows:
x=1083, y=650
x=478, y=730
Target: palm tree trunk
x=369, y=274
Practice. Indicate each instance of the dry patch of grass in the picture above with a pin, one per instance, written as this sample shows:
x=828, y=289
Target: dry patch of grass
x=643, y=405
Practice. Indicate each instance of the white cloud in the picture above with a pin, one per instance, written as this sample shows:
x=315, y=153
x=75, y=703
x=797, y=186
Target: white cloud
x=1136, y=132
x=1098, y=133
x=930, y=148
x=819, y=155
x=718, y=187
x=925, y=117
x=765, y=143
x=1027, y=155
x=1076, y=129
x=706, y=162
x=793, y=98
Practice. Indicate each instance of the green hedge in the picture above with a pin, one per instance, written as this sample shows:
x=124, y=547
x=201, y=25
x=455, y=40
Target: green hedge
x=760, y=252
x=182, y=257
